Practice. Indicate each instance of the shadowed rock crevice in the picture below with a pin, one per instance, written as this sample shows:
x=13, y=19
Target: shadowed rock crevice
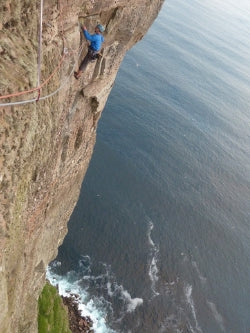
x=94, y=104
x=78, y=138
x=65, y=144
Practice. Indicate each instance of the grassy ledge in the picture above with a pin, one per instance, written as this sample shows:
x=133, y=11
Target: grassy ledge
x=52, y=314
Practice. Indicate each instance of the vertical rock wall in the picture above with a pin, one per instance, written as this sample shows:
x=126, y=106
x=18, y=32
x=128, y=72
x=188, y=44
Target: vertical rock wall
x=46, y=146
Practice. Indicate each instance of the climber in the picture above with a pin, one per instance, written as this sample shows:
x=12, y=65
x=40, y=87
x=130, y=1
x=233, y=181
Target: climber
x=96, y=41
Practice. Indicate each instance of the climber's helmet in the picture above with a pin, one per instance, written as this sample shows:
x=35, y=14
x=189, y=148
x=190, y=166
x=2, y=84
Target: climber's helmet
x=100, y=27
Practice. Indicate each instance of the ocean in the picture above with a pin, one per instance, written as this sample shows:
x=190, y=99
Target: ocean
x=160, y=238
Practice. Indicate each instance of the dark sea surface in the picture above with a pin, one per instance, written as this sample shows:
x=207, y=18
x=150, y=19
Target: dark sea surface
x=160, y=238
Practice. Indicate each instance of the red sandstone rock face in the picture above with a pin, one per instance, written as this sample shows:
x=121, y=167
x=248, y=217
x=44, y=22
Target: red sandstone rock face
x=46, y=146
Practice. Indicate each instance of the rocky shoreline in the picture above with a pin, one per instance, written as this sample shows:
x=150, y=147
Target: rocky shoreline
x=77, y=323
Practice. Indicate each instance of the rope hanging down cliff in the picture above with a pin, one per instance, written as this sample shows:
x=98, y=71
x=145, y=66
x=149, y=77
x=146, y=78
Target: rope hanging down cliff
x=39, y=85
x=40, y=51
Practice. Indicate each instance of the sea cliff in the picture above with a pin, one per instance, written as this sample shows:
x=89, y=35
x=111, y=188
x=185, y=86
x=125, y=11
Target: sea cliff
x=48, y=129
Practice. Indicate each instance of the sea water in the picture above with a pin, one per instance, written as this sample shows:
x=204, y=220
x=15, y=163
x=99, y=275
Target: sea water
x=160, y=238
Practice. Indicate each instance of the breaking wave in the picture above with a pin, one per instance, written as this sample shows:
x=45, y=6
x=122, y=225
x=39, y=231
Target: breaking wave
x=98, y=294
x=68, y=285
x=116, y=290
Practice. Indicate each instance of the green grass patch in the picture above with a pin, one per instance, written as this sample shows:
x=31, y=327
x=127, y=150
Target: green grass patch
x=52, y=315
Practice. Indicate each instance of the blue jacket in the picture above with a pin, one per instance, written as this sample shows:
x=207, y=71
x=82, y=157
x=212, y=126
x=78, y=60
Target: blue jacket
x=95, y=39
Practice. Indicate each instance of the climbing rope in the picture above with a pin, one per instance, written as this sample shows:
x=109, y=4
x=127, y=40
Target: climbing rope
x=39, y=85
x=34, y=89
x=46, y=96
x=40, y=51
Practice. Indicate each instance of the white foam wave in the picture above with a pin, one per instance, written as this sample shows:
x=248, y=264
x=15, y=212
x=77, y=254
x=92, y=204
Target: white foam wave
x=153, y=274
x=201, y=277
x=68, y=285
x=153, y=271
x=150, y=228
x=154, y=252
x=109, y=288
x=83, y=282
x=218, y=317
x=132, y=303
x=188, y=294
x=119, y=292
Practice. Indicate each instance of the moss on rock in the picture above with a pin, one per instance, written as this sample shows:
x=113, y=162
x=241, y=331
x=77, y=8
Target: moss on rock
x=52, y=315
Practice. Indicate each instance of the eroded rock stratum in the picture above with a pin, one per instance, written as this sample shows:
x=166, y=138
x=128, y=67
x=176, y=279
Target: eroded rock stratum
x=46, y=146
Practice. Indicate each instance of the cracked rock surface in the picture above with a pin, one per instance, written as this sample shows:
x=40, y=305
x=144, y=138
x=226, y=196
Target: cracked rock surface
x=46, y=146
